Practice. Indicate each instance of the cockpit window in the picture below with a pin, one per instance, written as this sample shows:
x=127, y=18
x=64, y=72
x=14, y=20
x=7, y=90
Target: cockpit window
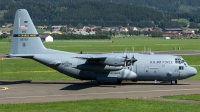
x=179, y=61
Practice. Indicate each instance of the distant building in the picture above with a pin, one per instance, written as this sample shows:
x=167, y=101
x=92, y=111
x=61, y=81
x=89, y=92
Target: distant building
x=172, y=31
x=56, y=32
x=7, y=26
x=85, y=28
x=117, y=29
x=124, y=29
x=49, y=39
x=84, y=33
x=42, y=27
x=1, y=32
x=189, y=31
x=134, y=28
x=96, y=28
x=46, y=38
x=56, y=28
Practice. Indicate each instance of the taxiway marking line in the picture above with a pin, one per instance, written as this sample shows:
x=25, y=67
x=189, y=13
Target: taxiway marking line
x=3, y=88
x=99, y=93
x=48, y=71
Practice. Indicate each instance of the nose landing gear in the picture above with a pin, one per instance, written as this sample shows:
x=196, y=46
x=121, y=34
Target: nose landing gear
x=173, y=82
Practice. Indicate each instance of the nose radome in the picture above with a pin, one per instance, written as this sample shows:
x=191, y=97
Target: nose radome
x=192, y=71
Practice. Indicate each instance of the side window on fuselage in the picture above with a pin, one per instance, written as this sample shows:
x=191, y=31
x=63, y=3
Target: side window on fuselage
x=181, y=68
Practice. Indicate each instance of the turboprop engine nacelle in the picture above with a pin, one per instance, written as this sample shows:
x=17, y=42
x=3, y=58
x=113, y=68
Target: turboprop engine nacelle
x=126, y=74
x=113, y=61
x=91, y=67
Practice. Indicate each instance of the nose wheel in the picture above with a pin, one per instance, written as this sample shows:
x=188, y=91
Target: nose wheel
x=173, y=82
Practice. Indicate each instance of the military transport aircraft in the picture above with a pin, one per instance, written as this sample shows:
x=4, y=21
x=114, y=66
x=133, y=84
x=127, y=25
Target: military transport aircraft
x=104, y=68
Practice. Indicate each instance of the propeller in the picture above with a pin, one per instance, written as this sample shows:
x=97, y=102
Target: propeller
x=132, y=60
x=125, y=57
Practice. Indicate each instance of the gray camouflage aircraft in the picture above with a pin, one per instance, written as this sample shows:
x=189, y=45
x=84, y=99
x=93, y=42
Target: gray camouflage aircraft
x=104, y=68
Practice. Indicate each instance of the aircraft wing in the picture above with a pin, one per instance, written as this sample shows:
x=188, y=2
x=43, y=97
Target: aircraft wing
x=111, y=61
x=92, y=58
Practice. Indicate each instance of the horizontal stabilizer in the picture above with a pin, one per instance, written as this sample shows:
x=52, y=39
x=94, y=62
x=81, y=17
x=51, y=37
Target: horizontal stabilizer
x=21, y=55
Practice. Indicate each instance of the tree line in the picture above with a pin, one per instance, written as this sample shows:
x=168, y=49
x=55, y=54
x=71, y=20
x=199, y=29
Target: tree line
x=163, y=5
x=72, y=13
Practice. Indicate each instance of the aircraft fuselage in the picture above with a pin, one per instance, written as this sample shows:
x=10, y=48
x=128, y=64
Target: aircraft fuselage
x=146, y=68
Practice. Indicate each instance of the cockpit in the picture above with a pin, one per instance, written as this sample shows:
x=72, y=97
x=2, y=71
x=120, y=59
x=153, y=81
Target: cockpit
x=185, y=70
x=180, y=60
x=182, y=63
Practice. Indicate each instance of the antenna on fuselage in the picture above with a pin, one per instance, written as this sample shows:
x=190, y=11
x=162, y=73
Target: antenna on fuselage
x=125, y=53
x=131, y=59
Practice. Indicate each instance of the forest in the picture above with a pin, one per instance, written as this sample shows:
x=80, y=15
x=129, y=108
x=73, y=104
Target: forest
x=100, y=12
x=191, y=6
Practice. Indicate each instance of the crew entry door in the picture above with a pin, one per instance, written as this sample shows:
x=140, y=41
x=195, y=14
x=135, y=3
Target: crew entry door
x=146, y=70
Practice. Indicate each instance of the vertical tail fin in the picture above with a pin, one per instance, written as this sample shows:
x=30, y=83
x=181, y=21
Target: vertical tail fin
x=25, y=38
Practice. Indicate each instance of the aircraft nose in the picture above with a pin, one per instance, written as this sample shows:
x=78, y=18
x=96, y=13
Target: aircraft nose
x=192, y=71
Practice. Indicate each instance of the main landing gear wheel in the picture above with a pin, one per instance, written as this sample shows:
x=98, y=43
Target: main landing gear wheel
x=173, y=82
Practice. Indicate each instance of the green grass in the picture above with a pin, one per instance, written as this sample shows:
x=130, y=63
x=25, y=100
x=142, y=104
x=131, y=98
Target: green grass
x=195, y=97
x=103, y=105
x=192, y=61
x=41, y=31
x=27, y=69
x=118, y=46
x=5, y=40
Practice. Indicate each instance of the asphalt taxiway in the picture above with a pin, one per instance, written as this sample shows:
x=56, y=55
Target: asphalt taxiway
x=48, y=91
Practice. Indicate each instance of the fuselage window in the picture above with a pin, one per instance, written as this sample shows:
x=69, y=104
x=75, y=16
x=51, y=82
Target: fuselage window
x=181, y=68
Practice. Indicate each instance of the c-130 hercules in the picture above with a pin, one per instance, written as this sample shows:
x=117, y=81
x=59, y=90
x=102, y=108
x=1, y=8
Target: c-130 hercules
x=104, y=68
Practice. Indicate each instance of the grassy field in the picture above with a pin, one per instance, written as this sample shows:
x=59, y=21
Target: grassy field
x=118, y=46
x=103, y=105
x=195, y=97
x=27, y=69
x=192, y=61
x=41, y=31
